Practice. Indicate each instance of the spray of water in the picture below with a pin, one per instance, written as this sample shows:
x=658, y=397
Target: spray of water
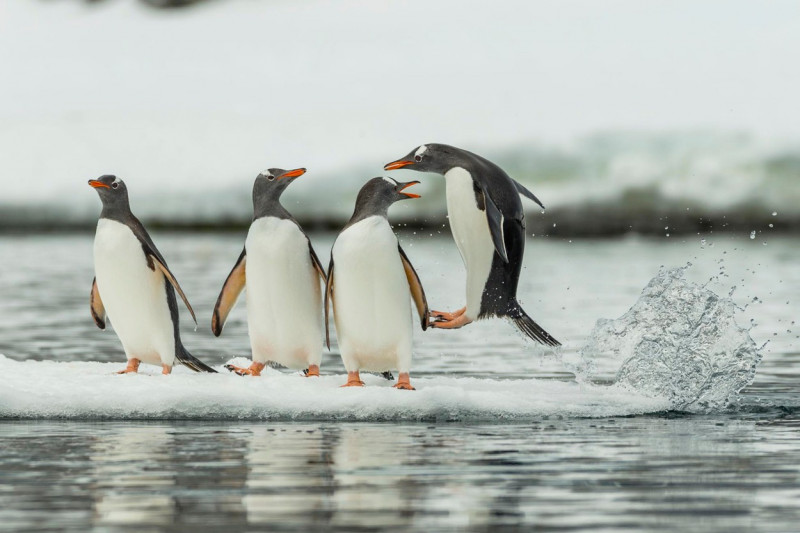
x=680, y=340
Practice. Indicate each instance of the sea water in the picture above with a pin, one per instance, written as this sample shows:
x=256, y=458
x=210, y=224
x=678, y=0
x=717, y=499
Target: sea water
x=499, y=432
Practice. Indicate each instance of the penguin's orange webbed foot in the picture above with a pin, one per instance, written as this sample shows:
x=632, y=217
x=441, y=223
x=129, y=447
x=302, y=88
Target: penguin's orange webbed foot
x=132, y=368
x=455, y=323
x=403, y=382
x=311, y=371
x=353, y=380
x=254, y=370
x=445, y=316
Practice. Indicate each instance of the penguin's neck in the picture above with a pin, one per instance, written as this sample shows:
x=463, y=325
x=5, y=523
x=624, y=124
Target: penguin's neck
x=367, y=211
x=121, y=212
x=270, y=207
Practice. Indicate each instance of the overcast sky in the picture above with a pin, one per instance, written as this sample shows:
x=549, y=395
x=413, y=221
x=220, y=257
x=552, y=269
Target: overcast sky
x=224, y=89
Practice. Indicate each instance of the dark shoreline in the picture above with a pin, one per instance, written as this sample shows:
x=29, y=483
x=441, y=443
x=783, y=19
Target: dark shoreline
x=594, y=221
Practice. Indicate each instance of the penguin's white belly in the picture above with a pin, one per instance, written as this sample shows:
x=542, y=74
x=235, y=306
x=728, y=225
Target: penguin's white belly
x=471, y=232
x=284, y=298
x=134, y=296
x=372, y=306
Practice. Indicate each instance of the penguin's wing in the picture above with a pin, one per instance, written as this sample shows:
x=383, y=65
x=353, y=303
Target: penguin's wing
x=156, y=260
x=526, y=193
x=495, y=219
x=230, y=292
x=317, y=264
x=328, y=298
x=97, y=307
x=417, y=293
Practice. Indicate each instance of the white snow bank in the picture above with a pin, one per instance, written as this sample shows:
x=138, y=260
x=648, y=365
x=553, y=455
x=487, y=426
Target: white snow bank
x=91, y=390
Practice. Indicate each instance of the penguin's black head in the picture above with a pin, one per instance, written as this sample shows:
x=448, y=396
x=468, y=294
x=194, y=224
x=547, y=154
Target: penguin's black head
x=433, y=157
x=271, y=183
x=378, y=194
x=112, y=191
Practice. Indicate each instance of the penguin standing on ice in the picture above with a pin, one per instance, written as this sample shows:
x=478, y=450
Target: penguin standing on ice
x=370, y=282
x=282, y=274
x=134, y=287
x=488, y=225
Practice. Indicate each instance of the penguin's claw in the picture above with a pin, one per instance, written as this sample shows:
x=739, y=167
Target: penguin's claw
x=403, y=382
x=455, y=323
x=254, y=370
x=353, y=380
x=132, y=368
x=311, y=371
x=442, y=316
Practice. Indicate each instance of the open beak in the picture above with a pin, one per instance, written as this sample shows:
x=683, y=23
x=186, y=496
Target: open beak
x=292, y=173
x=98, y=184
x=400, y=163
x=406, y=186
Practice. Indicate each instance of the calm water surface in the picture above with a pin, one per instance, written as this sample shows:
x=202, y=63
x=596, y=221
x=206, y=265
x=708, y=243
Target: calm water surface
x=733, y=471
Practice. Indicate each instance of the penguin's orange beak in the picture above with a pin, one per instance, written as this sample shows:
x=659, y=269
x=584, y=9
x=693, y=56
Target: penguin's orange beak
x=406, y=186
x=98, y=184
x=400, y=163
x=292, y=173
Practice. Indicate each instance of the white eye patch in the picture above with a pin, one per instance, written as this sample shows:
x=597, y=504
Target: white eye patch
x=421, y=150
x=390, y=181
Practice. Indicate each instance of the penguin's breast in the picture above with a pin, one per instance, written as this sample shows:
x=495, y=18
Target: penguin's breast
x=372, y=305
x=134, y=295
x=471, y=232
x=284, y=297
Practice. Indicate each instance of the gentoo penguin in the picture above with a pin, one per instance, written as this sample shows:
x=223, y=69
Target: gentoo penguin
x=488, y=225
x=282, y=274
x=134, y=287
x=371, y=287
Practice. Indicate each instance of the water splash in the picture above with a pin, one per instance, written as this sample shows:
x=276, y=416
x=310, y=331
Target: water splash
x=680, y=340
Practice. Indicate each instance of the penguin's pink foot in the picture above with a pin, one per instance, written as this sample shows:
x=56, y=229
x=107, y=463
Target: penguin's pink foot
x=254, y=370
x=444, y=315
x=132, y=368
x=455, y=323
x=166, y=370
x=403, y=382
x=311, y=371
x=353, y=380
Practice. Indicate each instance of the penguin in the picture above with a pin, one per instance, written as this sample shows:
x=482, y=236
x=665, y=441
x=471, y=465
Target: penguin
x=370, y=285
x=282, y=273
x=488, y=225
x=134, y=287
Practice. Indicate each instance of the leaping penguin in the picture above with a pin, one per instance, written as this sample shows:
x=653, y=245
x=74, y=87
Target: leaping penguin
x=134, y=287
x=488, y=225
x=370, y=288
x=282, y=274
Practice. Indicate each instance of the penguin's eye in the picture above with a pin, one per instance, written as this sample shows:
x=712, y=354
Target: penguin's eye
x=115, y=185
x=418, y=158
x=271, y=177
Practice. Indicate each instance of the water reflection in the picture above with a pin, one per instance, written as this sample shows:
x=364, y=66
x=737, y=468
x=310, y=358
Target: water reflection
x=647, y=473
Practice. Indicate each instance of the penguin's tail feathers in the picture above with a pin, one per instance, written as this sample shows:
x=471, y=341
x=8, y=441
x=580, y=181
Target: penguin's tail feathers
x=192, y=362
x=530, y=328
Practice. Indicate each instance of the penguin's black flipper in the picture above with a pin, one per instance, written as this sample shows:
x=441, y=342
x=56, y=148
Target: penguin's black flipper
x=317, y=264
x=97, y=307
x=156, y=260
x=529, y=327
x=495, y=219
x=187, y=359
x=231, y=289
x=417, y=293
x=526, y=193
x=328, y=298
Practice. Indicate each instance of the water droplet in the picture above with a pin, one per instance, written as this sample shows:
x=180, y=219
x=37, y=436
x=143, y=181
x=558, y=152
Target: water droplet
x=753, y=234
x=554, y=224
x=771, y=225
x=774, y=213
